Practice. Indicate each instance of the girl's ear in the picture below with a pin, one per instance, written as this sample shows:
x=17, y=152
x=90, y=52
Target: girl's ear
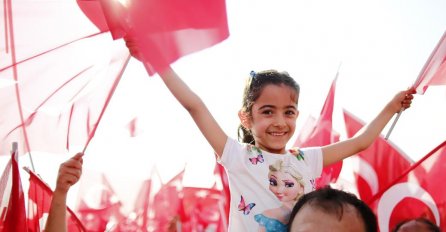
x=244, y=119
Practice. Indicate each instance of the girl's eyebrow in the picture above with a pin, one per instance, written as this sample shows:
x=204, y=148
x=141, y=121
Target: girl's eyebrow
x=266, y=106
x=273, y=106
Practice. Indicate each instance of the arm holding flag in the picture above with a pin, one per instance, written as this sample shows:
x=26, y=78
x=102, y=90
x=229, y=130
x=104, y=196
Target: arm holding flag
x=365, y=137
x=69, y=174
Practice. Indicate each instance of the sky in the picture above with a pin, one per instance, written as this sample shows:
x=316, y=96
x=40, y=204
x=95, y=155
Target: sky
x=378, y=46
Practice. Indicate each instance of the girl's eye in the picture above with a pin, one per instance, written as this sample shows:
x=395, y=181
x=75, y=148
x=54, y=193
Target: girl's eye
x=272, y=182
x=290, y=112
x=289, y=184
x=267, y=112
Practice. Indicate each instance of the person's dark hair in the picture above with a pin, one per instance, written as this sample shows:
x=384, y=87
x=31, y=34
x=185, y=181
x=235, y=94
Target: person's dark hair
x=430, y=225
x=253, y=88
x=333, y=201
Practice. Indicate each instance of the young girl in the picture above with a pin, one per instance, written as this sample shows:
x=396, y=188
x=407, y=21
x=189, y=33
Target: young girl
x=268, y=121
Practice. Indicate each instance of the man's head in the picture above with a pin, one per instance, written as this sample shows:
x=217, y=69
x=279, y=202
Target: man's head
x=330, y=209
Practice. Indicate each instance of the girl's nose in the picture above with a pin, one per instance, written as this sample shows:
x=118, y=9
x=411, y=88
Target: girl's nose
x=279, y=121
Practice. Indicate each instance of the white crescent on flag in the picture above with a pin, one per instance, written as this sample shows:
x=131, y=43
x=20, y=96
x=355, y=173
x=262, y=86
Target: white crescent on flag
x=397, y=193
x=367, y=172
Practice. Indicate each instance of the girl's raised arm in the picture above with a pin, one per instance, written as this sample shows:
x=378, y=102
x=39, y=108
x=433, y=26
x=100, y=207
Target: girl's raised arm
x=197, y=109
x=364, y=138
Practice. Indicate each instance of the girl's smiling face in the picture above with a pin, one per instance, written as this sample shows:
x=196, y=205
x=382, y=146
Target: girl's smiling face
x=284, y=186
x=273, y=119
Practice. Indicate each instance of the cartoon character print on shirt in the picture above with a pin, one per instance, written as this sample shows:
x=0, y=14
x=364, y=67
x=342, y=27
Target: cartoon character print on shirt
x=300, y=156
x=286, y=183
x=245, y=208
x=256, y=153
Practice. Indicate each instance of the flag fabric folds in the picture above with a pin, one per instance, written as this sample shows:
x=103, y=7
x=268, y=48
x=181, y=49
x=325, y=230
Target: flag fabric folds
x=202, y=210
x=418, y=192
x=39, y=202
x=165, y=30
x=57, y=75
x=12, y=198
x=320, y=133
x=376, y=167
x=434, y=70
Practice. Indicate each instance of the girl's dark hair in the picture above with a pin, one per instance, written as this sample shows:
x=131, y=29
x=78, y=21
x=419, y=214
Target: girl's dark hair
x=253, y=88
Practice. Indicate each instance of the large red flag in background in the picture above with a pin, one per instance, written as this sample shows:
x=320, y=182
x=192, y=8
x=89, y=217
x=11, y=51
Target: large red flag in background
x=377, y=166
x=12, y=199
x=321, y=133
x=434, y=70
x=166, y=30
x=419, y=192
x=63, y=80
x=58, y=73
x=39, y=202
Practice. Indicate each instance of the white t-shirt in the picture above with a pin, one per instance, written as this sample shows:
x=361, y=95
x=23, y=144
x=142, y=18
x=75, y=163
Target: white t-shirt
x=248, y=170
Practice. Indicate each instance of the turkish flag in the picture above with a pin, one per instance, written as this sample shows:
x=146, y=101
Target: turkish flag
x=418, y=192
x=12, y=199
x=320, y=133
x=163, y=30
x=39, y=202
x=434, y=70
x=377, y=166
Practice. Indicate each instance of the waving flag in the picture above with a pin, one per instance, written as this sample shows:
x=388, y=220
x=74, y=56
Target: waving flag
x=376, y=167
x=39, y=202
x=60, y=71
x=12, y=199
x=434, y=70
x=418, y=192
x=165, y=30
x=321, y=133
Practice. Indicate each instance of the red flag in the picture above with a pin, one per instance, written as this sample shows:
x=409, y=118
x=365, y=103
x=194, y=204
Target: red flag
x=12, y=199
x=167, y=203
x=99, y=208
x=166, y=30
x=434, y=70
x=418, y=192
x=60, y=75
x=222, y=184
x=203, y=210
x=377, y=166
x=321, y=133
x=39, y=203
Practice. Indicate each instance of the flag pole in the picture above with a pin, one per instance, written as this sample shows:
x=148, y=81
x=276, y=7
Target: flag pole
x=393, y=124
